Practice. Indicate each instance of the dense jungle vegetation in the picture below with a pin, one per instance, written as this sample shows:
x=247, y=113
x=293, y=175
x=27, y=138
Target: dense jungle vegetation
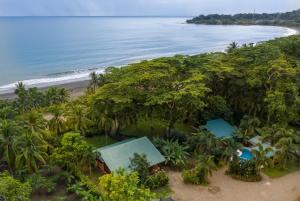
x=290, y=19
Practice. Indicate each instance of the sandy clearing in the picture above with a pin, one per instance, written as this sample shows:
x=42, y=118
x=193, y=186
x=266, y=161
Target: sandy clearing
x=286, y=188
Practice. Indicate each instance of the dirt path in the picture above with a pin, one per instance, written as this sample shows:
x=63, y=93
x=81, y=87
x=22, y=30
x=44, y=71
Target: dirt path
x=286, y=188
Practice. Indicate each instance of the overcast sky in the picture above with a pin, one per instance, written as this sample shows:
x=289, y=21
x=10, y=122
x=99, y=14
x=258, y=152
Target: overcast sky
x=140, y=7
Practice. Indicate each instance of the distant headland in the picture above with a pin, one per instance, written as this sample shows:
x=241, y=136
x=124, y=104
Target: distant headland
x=288, y=19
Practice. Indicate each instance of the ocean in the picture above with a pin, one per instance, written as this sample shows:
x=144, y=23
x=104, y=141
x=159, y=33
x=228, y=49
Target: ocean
x=46, y=51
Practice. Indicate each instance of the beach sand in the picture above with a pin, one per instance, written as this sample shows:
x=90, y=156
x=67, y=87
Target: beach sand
x=76, y=89
x=285, y=188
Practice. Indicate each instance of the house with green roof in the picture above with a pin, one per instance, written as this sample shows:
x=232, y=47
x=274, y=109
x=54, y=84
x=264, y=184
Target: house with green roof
x=220, y=128
x=118, y=155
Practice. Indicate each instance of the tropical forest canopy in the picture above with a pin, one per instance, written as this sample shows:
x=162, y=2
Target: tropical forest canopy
x=276, y=19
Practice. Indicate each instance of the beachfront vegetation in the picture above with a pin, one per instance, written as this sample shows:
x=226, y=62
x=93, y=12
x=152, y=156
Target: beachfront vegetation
x=253, y=86
x=291, y=19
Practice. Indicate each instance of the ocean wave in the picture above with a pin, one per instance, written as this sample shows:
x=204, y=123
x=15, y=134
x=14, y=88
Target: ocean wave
x=64, y=78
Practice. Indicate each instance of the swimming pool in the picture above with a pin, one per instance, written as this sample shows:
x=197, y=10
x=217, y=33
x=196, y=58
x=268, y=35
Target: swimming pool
x=246, y=154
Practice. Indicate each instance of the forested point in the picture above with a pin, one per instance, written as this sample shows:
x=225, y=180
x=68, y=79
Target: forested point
x=47, y=140
x=290, y=19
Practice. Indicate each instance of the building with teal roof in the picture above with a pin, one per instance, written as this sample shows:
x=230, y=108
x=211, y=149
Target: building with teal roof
x=118, y=155
x=220, y=128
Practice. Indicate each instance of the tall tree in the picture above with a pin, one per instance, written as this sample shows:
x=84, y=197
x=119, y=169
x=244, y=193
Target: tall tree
x=9, y=132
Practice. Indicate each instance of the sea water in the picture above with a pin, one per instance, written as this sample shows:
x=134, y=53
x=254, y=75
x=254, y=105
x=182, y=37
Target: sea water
x=45, y=51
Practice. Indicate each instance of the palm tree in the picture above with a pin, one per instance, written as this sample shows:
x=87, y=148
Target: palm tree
x=9, y=131
x=77, y=118
x=232, y=46
x=88, y=158
x=22, y=101
x=288, y=148
x=20, y=89
x=261, y=157
x=57, y=122
x=207, y=165
x=34, y=122
x=229, y=148
x=249, y=125
x=31, y=151
x=203, y=142
x=93, y=82
x=63, y=95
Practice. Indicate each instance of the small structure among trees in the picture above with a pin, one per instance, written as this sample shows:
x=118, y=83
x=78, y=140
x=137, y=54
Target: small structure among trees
x=113, y=157
x=219, y=127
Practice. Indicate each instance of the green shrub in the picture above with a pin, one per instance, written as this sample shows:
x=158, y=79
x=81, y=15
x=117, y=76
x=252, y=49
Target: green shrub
x=40, y=183
x=175, y=154
x=244, y=170
x=157, y=180
x=194, y=176
x=140, y=164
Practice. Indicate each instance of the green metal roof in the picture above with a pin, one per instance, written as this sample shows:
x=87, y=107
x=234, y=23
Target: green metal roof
x=118, y=155
x=220, y=128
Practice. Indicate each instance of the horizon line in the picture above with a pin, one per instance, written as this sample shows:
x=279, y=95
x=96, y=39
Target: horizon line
x=96, y=16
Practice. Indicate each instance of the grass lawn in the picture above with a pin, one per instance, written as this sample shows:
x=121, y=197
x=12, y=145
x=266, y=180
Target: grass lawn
x=162, y=192
x=100, y=140
x=153, y=128
x=277, y=171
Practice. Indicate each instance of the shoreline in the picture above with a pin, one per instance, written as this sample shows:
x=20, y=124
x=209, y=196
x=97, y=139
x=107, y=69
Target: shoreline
x=77, y=88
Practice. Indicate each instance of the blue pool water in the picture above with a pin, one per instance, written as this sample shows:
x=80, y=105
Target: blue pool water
x=246, y=154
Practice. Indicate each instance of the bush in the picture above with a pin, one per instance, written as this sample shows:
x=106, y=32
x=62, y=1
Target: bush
x=244, y=170
x=175, y=154
x=157, y=180
x=140, y=164
x=194, y=176
x=40, y=183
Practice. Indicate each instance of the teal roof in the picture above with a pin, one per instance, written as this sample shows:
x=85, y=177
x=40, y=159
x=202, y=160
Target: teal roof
x=220, y=128
x=255, y=140
x=118, y=155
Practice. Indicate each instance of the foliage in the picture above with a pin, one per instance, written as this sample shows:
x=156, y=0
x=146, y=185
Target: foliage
x=85, y=191
x=157, y=180
x=121, y=185
x=140, y=164
x=77, y=118
x=32, y=98
x=200, y=173
x=261, y=158
x=57, y=123
x=31, y=152
x=40, y=183
x=13, y=190
x=288, y=147
x=275, y=19
x=73, y=153
x=175, y=154
x=245, y=170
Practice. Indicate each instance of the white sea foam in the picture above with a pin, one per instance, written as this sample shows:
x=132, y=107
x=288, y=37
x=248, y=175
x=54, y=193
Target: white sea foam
x=50, y=81
x=290, y=32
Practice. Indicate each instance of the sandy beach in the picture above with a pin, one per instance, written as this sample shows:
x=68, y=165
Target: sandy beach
x=76, y=89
